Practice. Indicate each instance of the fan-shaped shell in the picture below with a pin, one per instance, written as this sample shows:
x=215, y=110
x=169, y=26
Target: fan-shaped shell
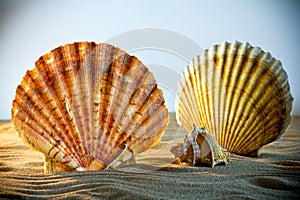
x=239, y=93
x=85, y=104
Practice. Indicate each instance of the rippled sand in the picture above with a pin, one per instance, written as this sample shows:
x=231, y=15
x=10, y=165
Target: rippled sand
x=276, y=174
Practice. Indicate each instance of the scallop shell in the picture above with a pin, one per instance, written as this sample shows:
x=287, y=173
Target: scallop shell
x=200, y=148
x=89, y=106
x=239, y=93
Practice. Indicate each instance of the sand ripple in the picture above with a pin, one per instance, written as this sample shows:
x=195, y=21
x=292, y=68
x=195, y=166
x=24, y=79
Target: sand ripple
x=275, y=175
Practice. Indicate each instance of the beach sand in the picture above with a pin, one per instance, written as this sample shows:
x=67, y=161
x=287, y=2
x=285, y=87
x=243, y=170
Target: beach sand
x=274, y=175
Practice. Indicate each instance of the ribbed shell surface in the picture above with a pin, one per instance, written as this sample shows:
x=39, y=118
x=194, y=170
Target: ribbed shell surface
x=239, y=93
x=82, y=101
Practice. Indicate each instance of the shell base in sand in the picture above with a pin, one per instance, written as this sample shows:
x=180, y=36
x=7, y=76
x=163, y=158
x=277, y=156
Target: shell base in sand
x=51, y=166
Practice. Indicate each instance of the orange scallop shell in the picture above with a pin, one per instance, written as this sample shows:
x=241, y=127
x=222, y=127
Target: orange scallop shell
x=87, y=105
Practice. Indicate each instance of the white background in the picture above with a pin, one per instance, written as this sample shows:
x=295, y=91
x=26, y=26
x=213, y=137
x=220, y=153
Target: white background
x=29, y=29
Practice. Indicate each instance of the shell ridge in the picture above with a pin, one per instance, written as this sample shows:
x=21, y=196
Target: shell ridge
x=129, y=109
x=116, y=128
x=188, y=98
x=216, y=92
x=238, y=92
x=106, y=85
x=97, y=131
x=283, y=80
x=46, y=143
x=262, y=94
x=255, y=109
x=91, y=80
x=220, y=58
x=106, y=99
x=146, y=124
x=180, y=107
x=37, y=110
x=232, y=49
x=155, y=138
x=68, y=76
x=67, y=69
x=258, y=67
x=113, y=79
x=194, y=93
x=79, y=91
x=80, y=111
x=157, y=110
x=200, y=83
x=88, y=83
x=205, y=88
x=105, y=77
x=212, y=90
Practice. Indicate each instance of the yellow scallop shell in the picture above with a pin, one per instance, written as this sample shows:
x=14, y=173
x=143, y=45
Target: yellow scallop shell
x=239, y=93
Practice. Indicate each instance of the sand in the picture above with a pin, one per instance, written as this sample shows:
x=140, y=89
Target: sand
x=274, y=175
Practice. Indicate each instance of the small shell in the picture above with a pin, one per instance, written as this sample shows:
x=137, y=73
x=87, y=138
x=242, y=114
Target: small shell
x=89, y=106
x=200, y=148
x=239, y=93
